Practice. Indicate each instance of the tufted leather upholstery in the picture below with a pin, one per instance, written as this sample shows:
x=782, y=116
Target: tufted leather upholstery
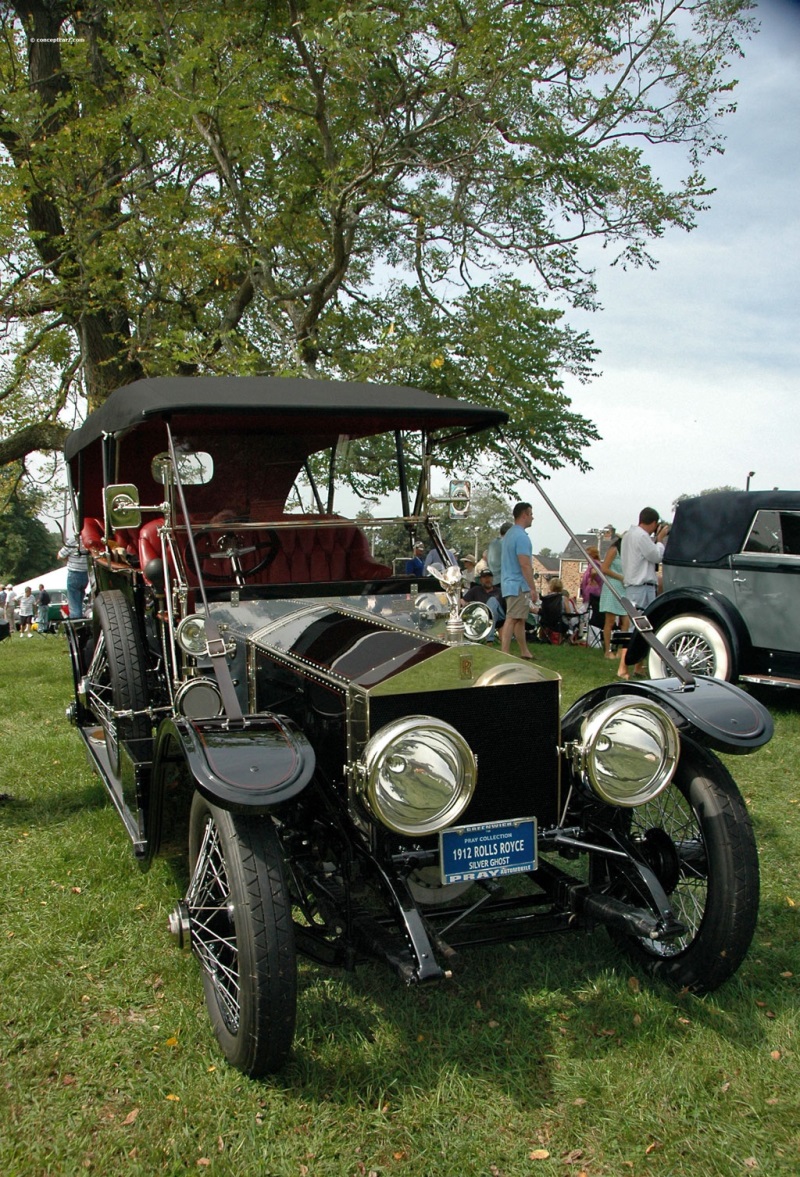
x=317, y=555
x=306, y=555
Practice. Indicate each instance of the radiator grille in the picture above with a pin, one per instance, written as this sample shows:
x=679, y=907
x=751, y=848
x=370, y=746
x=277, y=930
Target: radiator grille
x=513, y=731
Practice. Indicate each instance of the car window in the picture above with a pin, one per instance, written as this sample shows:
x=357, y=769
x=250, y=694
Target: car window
x=775, y=531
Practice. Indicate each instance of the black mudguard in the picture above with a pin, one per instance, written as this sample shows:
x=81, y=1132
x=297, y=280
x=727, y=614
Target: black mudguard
x=247, y=769
x=716, y=714
x=701, y=601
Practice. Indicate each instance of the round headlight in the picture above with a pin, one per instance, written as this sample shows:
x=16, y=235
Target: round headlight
x=191, y=635
x=629, y=750
x=419, y=775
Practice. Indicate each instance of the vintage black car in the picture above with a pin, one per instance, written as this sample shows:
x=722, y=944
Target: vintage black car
x=356, y=772
x=731, y=577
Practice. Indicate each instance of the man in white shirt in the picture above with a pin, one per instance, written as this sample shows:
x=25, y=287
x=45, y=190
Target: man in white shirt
x=641, y=555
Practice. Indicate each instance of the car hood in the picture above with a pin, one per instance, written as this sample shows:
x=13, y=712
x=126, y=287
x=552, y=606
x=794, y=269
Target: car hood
x=367, y=641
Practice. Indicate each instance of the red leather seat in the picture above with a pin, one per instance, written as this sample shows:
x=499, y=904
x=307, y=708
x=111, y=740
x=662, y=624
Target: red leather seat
x=306, y=555
x=92, y=535
x=317, y=555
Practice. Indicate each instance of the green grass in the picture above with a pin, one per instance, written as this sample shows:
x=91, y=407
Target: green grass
x=108, y=1064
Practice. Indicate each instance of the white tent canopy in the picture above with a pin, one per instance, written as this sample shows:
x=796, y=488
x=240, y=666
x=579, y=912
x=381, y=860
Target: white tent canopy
x=55, y=581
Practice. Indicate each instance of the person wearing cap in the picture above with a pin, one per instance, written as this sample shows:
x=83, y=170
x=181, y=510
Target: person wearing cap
x=469, y=563
x=416, y=565
x=488, y=593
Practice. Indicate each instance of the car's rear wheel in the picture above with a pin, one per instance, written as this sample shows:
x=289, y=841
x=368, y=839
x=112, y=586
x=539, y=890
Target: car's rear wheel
x=698, y=643
x=697, y=837
x=117, y=675
x=239, y=920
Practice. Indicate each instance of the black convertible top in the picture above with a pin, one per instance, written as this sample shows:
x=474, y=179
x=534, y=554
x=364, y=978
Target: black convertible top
x=709, y=528
x=367, y=408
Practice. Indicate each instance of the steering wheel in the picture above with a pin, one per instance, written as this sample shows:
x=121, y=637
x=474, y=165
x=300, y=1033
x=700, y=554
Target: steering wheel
x=232, y=546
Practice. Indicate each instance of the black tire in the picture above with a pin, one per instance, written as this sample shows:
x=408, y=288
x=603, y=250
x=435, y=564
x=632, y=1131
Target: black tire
x=697, y=837
x=117, y=674
x=698, y=643
x=240, y=921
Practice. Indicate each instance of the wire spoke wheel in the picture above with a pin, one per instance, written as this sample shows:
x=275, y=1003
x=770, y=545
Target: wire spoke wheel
x=213, y=930
x=671, y=839
x=693, y=652
x=697, y=838
x=240, y=928
x=698, y=643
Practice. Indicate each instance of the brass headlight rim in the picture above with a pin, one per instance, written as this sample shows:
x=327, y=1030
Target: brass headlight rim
x=180, y=634
x=593, y=726
x=374, y=753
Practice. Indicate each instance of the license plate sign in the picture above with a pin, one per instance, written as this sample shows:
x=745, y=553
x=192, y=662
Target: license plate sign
x=488, y=851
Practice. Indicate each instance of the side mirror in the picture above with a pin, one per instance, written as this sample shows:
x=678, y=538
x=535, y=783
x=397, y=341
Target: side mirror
x=122, y=507
x=460, y=498
x=194, y=469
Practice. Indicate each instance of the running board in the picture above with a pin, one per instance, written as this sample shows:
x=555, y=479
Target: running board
x=770, y=680
x=99, y=761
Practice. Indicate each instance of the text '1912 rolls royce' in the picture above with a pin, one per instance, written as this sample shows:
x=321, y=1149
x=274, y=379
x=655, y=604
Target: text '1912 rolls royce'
x=356, y=771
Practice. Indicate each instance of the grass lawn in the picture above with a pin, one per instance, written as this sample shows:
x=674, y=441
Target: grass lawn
x=548, y=1057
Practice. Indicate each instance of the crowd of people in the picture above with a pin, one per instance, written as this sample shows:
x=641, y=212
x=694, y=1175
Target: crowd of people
x=25, y=613
x=504, y=579
x=28, y=612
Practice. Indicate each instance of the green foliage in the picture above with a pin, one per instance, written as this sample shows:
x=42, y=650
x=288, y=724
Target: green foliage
x=27, y=548
x=488, y=510
x=366, y=190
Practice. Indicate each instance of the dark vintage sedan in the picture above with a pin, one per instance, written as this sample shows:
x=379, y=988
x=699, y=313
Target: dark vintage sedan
x=731, y=582
x=352, y=769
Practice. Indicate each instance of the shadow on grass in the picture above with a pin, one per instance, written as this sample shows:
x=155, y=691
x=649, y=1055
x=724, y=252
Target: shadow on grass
x=51, y=809
x=511, y=1020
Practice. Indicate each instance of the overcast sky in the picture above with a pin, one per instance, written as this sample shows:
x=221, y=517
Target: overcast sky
x=700, y=357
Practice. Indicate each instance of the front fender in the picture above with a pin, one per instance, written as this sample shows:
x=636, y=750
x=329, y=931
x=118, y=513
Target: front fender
x=244, y=769
x=716, y=714
x=703, y=602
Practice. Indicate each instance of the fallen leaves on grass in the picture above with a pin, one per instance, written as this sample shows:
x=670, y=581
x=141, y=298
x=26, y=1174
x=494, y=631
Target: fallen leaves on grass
x=538, y=1154
x=130, y=1118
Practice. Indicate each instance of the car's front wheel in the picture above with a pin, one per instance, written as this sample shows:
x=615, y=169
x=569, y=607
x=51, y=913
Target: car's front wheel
x=239, y=921
x=697, y=838
x=698, y=643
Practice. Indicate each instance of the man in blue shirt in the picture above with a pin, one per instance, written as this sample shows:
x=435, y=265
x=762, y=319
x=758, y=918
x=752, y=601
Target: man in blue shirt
x=517, y=583
x=416, y=565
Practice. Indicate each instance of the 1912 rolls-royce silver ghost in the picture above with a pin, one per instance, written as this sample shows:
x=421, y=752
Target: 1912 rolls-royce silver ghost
x=356, y=771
